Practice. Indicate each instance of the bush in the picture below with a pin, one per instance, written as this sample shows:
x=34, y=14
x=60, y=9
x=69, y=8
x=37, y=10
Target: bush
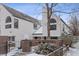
x=45, y=48
x=67, y=39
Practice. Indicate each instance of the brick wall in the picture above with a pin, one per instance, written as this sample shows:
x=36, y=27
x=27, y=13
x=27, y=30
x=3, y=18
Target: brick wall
x=27, y=44
x=55, y=42
x=3, y=44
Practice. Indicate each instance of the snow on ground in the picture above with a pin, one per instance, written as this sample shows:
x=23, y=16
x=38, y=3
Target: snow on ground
x=76, y=45
x=32, y=52
x=73, y=51
x=13, y=52
x=18, y=52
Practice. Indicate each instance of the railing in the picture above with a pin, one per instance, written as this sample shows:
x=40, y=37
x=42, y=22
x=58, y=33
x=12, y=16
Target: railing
x=57, y=52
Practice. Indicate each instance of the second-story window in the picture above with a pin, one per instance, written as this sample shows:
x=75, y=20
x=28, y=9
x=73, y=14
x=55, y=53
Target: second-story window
x=8, y=26
x=8, y=19
x=52, y=20
x=15, y=23
x=53, y=27
x=53, y=24
x=8, y=22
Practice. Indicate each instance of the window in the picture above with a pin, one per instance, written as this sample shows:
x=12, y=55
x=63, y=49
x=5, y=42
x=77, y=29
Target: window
x=8, y=26
x=11, y=38
x=63, y=28
x=53, y=24
x=15, y=23
x=53, y=27
x=35, y=26
x=8, y=19
x=52, y=20
x=11, y=41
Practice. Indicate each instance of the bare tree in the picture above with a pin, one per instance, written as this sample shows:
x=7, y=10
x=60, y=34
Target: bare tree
x=49, y=14
x=74, y=25
x=49, y=7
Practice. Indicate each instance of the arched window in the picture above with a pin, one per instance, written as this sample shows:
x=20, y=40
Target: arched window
x=52, y=20
x=8, y=19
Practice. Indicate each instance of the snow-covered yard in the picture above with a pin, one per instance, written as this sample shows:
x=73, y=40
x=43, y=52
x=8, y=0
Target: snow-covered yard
x=73, y=51
x=18, y=52
x=32, y=53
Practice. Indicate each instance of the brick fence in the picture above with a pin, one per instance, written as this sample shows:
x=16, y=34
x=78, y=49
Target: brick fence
x=3, y=44
x=55, y=42
x=27, y=44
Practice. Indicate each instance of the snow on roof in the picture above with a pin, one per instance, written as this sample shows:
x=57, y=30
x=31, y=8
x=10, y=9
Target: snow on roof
x=39, y=31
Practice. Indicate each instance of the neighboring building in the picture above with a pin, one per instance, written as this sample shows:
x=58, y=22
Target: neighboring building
x=16, y=25
x=57, y=27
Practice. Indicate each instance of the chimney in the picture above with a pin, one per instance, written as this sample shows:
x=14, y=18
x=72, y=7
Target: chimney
x=44, y=20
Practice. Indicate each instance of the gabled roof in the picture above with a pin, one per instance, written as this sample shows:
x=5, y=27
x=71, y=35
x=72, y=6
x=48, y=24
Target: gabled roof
x=21, y=15
x=62, y=21
x=65, y=23
x=40, y=32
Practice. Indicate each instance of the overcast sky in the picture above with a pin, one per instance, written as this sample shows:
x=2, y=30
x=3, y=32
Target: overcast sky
x=35, y=10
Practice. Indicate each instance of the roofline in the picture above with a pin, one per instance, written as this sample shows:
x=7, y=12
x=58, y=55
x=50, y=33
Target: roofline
x=63, y=21
x=20, y=12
